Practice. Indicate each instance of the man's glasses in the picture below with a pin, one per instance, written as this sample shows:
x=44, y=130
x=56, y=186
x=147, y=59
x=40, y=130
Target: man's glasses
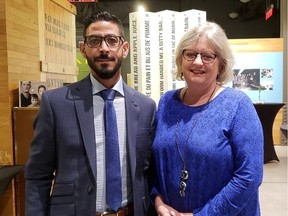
x=94, y=41
x=190, y=55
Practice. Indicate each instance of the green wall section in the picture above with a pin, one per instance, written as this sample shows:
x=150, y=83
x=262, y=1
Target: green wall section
x=82, y=66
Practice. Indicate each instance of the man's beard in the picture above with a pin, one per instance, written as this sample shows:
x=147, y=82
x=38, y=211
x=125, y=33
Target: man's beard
x=103, y=72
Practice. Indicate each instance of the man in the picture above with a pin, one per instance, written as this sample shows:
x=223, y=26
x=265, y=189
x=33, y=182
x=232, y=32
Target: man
x=69, y=142
x=25, y=96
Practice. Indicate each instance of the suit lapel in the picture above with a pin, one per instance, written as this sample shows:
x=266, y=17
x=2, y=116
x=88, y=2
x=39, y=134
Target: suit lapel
x=83, y=99
x=132, y=115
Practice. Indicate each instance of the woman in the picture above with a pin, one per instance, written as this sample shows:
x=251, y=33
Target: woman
x=208, y=149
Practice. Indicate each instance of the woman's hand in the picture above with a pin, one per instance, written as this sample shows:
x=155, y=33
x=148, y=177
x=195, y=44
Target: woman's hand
x=166, y=210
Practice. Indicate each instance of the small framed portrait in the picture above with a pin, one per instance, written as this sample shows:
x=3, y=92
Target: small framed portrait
x=30, y=93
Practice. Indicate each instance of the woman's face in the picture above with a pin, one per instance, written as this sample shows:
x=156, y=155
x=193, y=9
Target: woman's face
x=196, y=72
x=41, y=90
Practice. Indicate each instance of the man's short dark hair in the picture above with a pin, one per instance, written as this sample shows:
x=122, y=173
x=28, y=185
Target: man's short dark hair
x=35, y=96
x=103, y=16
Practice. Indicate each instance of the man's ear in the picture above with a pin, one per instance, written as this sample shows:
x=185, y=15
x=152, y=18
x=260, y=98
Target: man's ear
x=82, y=49
x=125, y=48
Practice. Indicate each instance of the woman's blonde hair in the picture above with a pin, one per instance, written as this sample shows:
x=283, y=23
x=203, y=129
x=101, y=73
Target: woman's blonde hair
x=217, y=39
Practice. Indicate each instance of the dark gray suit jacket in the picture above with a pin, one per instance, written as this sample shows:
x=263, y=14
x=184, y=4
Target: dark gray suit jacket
x=64, y=146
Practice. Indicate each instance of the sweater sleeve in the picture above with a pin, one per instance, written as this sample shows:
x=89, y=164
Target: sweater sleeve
x=246, y=138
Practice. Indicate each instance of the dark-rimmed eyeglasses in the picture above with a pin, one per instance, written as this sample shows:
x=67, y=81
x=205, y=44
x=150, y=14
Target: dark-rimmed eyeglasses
x=111, y=41
x=190, y=55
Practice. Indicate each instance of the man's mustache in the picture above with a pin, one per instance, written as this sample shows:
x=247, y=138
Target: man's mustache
x=103, y=56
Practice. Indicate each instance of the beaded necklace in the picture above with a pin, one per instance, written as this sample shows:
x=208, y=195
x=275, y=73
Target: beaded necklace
x=184, y=171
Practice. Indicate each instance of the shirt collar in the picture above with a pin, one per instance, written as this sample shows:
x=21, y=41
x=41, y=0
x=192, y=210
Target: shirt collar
x=97, y=86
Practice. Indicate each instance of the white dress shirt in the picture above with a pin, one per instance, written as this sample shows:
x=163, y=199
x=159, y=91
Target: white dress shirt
x=98, y=107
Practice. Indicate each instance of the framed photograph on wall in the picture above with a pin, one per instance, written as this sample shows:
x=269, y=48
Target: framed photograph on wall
x=30, y=93
x=260, y=75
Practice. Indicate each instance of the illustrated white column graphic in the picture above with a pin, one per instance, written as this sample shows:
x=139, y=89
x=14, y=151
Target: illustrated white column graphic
x=153, y=41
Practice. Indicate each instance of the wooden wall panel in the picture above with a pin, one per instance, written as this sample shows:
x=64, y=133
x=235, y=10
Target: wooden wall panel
x=22, y=43
x=257, y=45
x=17, y=44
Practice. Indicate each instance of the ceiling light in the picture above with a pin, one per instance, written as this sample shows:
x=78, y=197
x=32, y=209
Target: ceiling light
x=233, y=15
x=244, y=1
x=141, y=8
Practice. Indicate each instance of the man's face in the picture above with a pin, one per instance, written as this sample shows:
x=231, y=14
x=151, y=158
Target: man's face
x=26, y=85
x=104, y=61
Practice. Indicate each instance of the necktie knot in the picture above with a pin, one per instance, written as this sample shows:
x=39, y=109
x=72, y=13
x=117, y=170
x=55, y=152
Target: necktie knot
x=108, y=94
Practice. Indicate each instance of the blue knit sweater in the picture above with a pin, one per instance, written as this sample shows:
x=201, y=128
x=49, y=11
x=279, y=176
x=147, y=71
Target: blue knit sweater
x=223, y=154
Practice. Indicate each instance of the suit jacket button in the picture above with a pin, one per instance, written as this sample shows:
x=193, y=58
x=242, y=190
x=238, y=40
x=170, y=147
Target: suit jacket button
x=90, y=190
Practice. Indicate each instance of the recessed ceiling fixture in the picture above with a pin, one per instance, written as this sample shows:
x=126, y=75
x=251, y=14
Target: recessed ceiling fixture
x=141, y=8
x=233, y=15
x=244, y=1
